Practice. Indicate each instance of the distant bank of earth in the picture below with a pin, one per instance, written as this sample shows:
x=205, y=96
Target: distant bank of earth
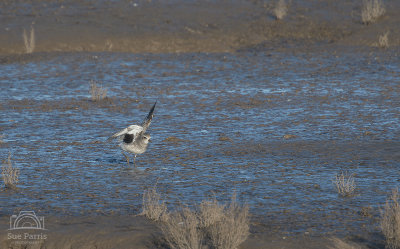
x=186, y=26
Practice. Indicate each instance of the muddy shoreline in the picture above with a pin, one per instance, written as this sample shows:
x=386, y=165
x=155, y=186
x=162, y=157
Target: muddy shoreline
x=179, y=27
x=138, y=232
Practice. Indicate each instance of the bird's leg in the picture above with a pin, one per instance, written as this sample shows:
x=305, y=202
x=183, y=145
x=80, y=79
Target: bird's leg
x=126, y=157
x=134, y=160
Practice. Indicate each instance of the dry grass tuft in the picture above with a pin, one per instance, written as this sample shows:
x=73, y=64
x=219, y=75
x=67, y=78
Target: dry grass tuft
x=210, y=212
x=390, y=222
x=340, y=244
x=182, y=230
x=233, y=227
x=372, y=10
x=217, y=225
x=153, y=207
x=29, y=42
x=9, y=173
x=108, y=45
x=280, y=10
x=344, y=183
x=97, y=92
x=366, y=211
x=383, y=41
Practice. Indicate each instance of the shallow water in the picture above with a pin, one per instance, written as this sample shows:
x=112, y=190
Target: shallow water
x=219, y=127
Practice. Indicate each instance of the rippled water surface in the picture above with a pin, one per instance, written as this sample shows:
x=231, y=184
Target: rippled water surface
x=274, y=127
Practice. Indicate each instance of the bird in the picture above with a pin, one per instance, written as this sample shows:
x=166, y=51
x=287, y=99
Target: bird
x=134, y=138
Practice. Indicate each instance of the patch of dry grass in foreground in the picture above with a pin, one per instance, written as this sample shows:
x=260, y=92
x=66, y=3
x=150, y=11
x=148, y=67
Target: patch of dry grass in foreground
x=210, y=212
x=209, y=225
x=390, y=222
x=153, y=208
x=233, y=227
x=9, y=173
x=182, y=231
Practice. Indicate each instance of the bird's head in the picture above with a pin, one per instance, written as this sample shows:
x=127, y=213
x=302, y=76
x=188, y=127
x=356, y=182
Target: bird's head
x=146, y=138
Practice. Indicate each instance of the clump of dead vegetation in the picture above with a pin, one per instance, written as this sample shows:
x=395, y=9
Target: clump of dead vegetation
x=210, y=212
x=372, y=10
x=29, y=42
x=208, y=225
x=108, y=45
x=9, y=173
x=383, y=41
x=280, y=9
x=232, y=228
x=97, y=92
x=345, y=184
x=390, y=222
x=153, y=208
x=181, y=230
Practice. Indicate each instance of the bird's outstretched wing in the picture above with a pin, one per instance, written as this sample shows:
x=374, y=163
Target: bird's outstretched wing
x=147, y=121
x=135, y=129
x=120, y=133
x=132, y=129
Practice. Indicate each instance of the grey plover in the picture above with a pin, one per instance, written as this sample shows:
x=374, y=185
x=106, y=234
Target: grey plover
x=133, y=138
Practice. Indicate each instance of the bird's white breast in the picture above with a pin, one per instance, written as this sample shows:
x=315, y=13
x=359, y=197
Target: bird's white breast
x=133, y=148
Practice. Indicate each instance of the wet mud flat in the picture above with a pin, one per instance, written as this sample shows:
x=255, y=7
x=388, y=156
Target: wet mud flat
x=131, y=232
x=274, y=127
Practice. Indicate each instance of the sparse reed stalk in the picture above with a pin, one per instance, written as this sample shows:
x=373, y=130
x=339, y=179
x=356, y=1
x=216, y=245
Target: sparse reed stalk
x=344, y=183
x=97, y=93
x=280, y=9
x=108, y=45
x=9, y=173
x=372, y=10
x=153, y=208
x=29, y=42
x=390, y=221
